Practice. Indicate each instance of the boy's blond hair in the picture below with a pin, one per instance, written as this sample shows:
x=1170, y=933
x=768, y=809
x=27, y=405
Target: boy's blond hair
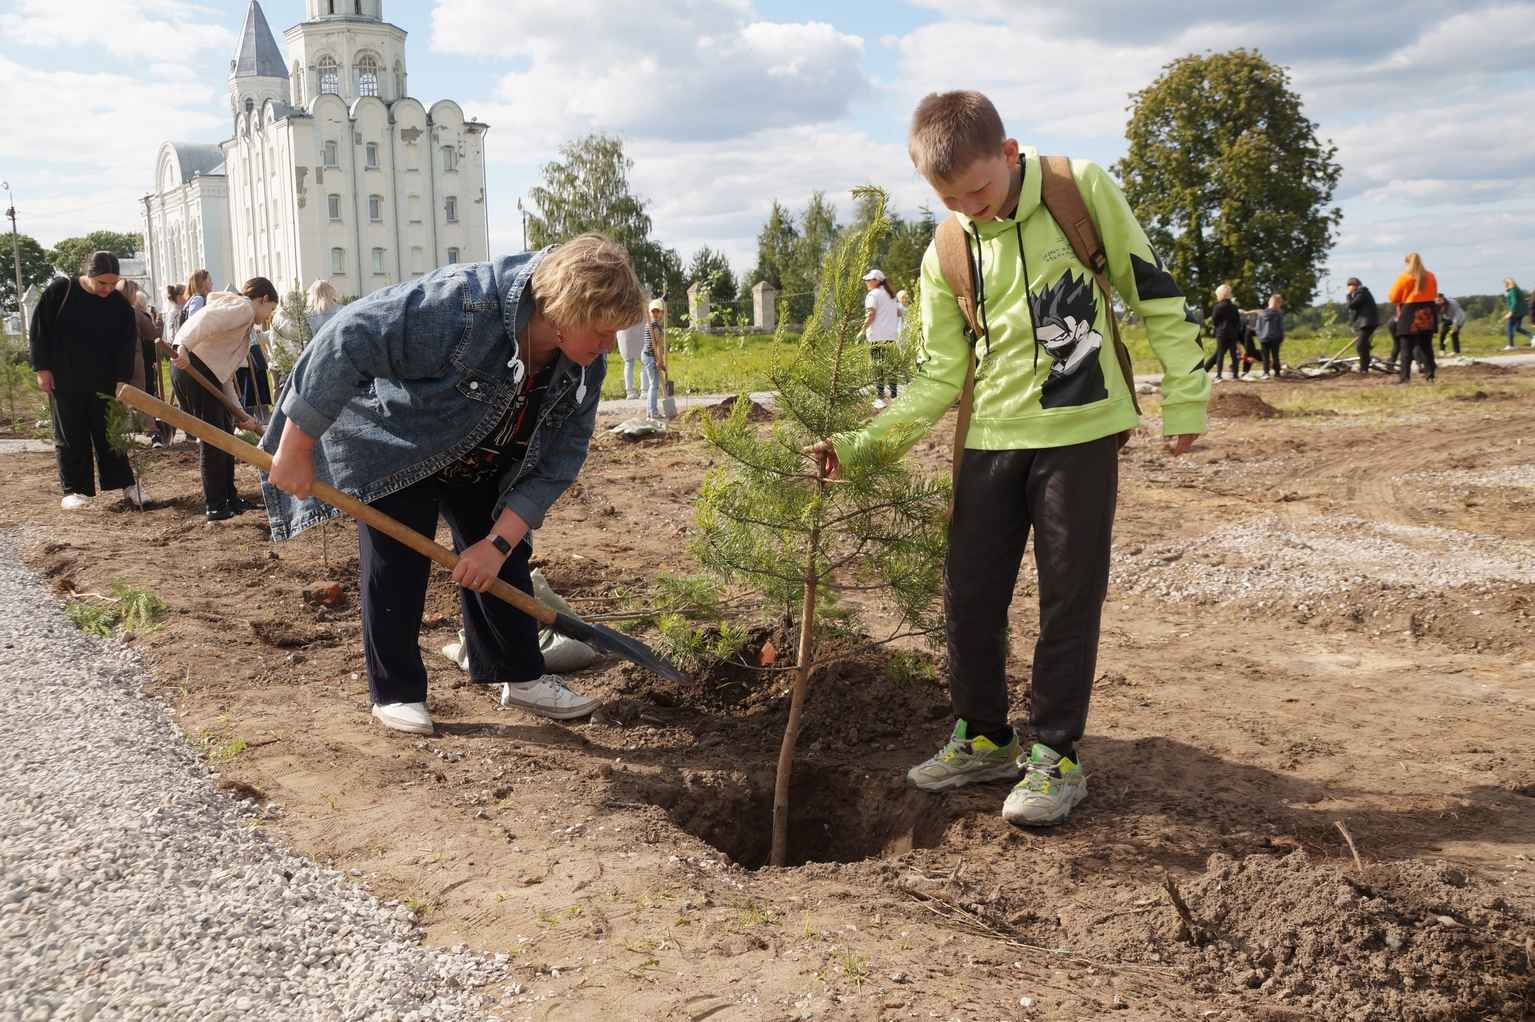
x=589, y=281
x=951, y=130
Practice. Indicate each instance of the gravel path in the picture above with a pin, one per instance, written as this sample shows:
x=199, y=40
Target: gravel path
x=130, y=888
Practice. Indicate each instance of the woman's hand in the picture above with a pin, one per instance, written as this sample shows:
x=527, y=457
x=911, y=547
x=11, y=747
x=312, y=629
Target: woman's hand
x=479, y=566
x=248, y=423
x=45, y=380
x=825, y=457
x=181, y=360
x=292, y=468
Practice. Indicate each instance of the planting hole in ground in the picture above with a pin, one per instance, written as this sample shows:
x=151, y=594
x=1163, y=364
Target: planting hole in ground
x=834, y=815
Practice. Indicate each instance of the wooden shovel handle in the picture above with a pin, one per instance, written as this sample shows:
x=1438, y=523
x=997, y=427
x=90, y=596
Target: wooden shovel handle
x=369, y=515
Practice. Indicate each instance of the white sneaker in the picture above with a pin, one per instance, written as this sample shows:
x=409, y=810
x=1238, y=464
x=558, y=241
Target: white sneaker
x=411, y=718
x=74, y=501
x=1214, y=380
x=548, y=697
x=458, y=652
x=879, y=403
x=137, y=494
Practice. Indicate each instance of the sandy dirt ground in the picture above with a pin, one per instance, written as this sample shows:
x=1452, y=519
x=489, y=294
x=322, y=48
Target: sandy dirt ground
x=1321, y=615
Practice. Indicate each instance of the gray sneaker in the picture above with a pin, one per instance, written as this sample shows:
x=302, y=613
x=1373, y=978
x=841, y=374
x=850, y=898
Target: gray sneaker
x=1051, y=786
x=966, y=761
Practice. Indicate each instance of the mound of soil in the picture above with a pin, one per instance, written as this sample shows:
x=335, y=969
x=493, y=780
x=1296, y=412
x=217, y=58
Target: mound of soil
x=726, y=408
x=1484, y=369
x=1409, y=940
x=1227, y=404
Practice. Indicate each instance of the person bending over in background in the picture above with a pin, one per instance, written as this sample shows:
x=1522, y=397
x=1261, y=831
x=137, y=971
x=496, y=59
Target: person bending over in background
x=1451, y=318
x=213, y=343
x=470, y=392
x=1365, y=317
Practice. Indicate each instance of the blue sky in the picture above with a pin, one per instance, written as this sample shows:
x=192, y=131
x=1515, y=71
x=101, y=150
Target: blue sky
x=726, y=105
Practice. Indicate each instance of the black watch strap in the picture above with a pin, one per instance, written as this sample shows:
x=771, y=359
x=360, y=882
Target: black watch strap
x=500, y=543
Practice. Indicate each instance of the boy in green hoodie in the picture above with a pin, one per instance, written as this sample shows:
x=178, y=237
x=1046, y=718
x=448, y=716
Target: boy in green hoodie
x=1043, y=442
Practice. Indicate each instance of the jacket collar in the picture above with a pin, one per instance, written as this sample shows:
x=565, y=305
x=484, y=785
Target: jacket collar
x=514, y=282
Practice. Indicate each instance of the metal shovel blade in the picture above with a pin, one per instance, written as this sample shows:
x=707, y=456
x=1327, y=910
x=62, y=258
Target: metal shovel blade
x=603, y=638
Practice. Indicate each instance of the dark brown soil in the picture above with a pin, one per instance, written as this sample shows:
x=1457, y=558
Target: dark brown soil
x=1240, y=404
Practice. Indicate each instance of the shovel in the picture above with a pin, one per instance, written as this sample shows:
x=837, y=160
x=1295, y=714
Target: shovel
x=599, y=637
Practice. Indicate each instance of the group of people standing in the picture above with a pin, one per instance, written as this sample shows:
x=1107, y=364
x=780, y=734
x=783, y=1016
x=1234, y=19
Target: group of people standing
x=1419, y=311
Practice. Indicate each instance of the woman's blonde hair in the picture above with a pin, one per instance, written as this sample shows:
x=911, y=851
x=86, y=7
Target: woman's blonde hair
x=589, y=281
x=1509, y=282
x=196, y=281
x=323, y=296
x=1415, y=267
x=1223, y=292
x=1275, y=300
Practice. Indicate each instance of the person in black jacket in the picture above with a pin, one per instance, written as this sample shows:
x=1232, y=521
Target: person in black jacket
x=83, y=344
x=1366, y=319
x=1226, y=322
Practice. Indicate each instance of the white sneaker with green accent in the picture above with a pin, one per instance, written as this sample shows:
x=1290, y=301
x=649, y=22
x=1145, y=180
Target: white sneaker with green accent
x=965, y=760
x=1052, y=784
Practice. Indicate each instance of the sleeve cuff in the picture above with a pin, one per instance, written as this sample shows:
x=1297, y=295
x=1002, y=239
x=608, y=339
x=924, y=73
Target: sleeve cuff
x=305, y=415
x=1181, y=419
x=525, y=508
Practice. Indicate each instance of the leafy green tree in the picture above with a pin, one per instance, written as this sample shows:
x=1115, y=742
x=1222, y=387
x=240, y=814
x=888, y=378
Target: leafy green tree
x=769, y=521
x=1230, y=179
x=71, y=253
x=713, y=270
x=801, y=274
x=775, y=247
x=36, y=268
x=902, y=260
x=587, y=189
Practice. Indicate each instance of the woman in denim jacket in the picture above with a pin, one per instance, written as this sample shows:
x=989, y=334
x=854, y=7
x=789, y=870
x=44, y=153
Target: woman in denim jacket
x=472, y=392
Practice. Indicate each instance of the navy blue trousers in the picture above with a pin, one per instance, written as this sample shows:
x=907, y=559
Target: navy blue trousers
x=503, y=641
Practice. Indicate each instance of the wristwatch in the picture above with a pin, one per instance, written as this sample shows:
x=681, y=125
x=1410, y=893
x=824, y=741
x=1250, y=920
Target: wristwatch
x=500, y=543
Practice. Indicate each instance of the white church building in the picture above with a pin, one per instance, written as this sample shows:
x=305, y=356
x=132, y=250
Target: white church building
x=334, y=171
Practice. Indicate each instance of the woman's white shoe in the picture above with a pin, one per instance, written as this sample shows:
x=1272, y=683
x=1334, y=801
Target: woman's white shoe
x=411, y=718
x=74, y=501
x=549, y=696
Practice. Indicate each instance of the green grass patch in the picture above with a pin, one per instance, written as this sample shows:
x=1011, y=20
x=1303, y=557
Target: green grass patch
x=128, y=609
x=713, y=364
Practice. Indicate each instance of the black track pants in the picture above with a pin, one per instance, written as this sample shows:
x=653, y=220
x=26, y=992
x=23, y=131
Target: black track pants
x=1067, y=496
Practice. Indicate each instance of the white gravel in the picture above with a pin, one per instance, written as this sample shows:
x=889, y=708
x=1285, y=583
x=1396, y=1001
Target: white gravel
x=130, y=888
x=1513, y=477
x=1265, y=556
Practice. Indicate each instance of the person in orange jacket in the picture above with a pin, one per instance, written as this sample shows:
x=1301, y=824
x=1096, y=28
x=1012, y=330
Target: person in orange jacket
x=1417, y=316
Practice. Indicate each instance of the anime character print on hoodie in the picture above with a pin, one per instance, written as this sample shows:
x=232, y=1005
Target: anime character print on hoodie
x=1051, y=402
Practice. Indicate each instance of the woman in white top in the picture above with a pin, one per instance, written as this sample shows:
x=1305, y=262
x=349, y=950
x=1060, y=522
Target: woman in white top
x=881, y=328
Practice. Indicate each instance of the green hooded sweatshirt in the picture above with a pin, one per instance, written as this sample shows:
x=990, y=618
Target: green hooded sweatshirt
x=1048, y=377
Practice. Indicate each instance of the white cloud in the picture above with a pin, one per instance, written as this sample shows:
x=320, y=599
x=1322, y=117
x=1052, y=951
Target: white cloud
x=686, y=70
x=124, y=28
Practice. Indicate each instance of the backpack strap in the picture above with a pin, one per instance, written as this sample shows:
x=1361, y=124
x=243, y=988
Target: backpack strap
x=1059, y=192
x=959, y=273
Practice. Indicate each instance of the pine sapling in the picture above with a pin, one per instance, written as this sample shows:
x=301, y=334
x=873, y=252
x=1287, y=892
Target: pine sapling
x=771, y=522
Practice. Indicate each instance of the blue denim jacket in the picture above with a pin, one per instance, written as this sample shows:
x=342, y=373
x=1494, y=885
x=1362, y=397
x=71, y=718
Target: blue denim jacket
x=402, y=383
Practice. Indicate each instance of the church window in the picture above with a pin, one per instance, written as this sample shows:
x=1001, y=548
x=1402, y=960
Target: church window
x=332, y=154
x=450, y=208
x=372, y=154
x=250, y=104
x=378, y=261
x=449, y=158
x=334, y=205
x=297, y=78
x=337, y=261
x=417, y=259
x=452, y=255
x=399, y=80
x=367, y=76
x=330, y=77
x=358, y=6
x=376, y=208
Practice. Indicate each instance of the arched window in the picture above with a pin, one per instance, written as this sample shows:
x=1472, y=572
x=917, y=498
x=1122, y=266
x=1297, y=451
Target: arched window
x=330, y=77
x=367, y=76
x=399, y=80
x=297, y=78
x=250, y=104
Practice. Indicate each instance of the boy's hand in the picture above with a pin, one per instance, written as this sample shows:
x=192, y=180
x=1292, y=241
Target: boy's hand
x=45, y=380
x=825, y=457
x=1181, y=443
